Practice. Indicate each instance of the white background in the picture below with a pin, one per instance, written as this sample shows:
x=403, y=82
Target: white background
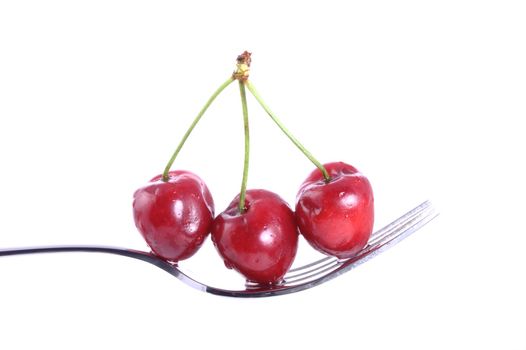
x=424, y=97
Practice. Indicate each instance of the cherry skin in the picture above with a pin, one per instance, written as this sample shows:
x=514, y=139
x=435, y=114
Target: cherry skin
x=261, y=242
x=336, y=217
x=174, y=216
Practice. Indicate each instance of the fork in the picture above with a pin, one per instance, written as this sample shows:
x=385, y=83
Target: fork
x=297, y=279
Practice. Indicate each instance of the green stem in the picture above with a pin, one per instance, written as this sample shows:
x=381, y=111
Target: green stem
x=295, y=141
x=242, y=207
x=194, y=123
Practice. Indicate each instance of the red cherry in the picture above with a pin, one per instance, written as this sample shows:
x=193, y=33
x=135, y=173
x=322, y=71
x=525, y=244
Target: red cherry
x=174, y=216
x=261, y=242
x=336, y=217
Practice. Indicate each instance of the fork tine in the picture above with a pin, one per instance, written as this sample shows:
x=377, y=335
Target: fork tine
x=383, y=235
x=378, y=235
x=321, y=261
x=322, y=270
x=406, y=225
x=327, y=262
x=383, y=239
x=374, y=237
x=416, y=218
x=402, y=231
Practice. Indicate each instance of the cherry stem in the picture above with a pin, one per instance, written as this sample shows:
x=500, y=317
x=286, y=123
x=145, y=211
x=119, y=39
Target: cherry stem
x=242, y=194
x=295, y=141
x=194, y=123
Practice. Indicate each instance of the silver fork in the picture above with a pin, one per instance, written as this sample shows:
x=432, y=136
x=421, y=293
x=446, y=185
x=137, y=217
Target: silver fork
x=295, y=280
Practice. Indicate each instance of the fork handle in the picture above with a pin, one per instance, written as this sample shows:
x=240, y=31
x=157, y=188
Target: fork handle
x=150, y=258
x=130, y=253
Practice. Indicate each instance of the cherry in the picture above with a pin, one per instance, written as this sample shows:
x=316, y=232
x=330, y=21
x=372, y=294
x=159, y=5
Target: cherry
x=260, y=242
x=175, y=215
x=257, y=234
x=336, y=216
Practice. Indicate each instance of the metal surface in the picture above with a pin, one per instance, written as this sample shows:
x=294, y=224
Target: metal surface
x=295, y=280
